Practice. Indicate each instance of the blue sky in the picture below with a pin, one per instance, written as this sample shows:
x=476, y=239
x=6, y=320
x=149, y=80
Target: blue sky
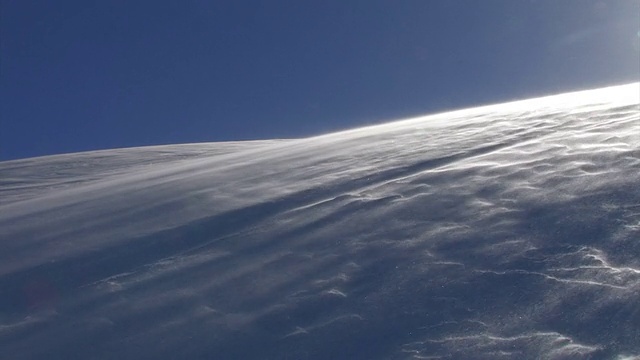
x=87, y=75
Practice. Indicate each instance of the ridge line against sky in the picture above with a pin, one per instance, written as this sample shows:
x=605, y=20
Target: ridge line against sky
x=612, y=94
x=504, y=105
x=80, y=75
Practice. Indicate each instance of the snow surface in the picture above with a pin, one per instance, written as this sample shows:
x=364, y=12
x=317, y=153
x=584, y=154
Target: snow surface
x=509, y=231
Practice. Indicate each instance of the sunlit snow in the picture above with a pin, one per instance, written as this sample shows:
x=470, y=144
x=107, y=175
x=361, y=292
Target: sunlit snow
x=509, y=231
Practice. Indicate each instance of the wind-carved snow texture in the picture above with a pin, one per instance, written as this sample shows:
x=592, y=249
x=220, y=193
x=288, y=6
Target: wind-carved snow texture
x=503, y=232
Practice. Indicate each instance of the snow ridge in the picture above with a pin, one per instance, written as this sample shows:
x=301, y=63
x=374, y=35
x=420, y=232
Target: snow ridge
x=507, y=231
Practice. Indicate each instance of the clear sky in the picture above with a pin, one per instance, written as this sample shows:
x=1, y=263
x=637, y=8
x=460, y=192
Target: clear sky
x=86, y=75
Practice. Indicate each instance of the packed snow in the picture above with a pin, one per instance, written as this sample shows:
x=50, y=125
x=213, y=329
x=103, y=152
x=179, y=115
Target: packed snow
x=509, y=231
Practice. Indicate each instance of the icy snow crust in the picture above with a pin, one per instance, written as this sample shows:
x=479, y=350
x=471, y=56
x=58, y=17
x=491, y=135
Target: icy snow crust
x=503, y=232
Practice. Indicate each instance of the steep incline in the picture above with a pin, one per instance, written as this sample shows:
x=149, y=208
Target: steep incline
x=507, y=231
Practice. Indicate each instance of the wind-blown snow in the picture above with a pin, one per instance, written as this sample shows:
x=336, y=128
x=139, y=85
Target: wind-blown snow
x=509, y=231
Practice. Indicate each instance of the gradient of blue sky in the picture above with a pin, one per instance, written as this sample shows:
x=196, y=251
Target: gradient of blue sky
x=84, y=75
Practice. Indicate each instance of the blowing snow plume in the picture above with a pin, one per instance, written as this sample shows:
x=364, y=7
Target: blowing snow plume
x=503, y=232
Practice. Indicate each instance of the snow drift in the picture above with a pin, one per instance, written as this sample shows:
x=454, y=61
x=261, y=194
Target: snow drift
x=507, y=231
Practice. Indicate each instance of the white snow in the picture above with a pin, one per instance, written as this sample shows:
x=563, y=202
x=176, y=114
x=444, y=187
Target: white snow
x=505, y=231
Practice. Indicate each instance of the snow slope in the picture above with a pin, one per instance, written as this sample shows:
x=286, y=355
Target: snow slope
x=509, y=231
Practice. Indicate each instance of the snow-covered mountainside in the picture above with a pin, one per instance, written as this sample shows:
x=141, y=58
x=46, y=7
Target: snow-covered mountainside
x=502, y=232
